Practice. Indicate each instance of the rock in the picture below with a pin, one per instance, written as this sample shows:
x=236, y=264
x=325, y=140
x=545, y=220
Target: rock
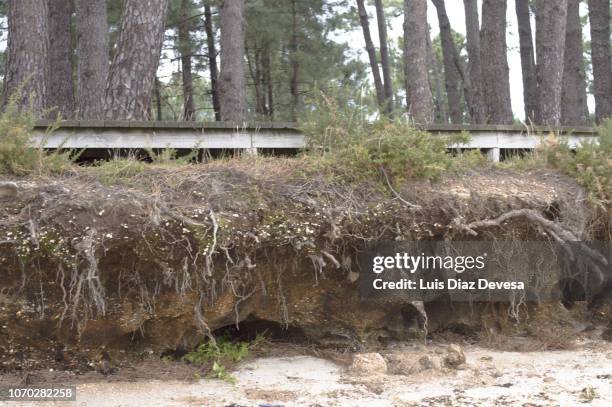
x=588, y=394
x=455, y=356
x=607, y=335
x=369, y=363
x=430, y=362
x=589, y=328
x=548, y=379
x=409, y=363
x=496, y=373
x=8, y=190
x=402, y=364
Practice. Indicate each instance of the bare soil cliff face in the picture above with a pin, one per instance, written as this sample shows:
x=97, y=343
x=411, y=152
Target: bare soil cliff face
x=164, y=260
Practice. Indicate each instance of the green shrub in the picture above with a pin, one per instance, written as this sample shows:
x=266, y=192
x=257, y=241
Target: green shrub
x=222, y=349
x=343, y=142
x=18, y=156
x=590, y=163
x=396, y=151
x=404, y=152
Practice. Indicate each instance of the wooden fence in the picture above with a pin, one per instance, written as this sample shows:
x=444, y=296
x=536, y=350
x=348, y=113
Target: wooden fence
x=496, y=141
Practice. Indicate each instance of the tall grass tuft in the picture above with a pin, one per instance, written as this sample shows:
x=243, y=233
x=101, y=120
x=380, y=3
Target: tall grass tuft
x=590, y=163
x=18, y=154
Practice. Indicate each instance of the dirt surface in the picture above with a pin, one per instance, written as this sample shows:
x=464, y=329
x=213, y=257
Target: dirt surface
x=489, y=377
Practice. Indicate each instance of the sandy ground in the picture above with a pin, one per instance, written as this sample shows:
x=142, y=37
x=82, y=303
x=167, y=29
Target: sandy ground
x=582, y=376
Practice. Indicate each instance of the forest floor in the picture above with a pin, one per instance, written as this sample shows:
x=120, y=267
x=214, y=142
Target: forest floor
x=581, y=375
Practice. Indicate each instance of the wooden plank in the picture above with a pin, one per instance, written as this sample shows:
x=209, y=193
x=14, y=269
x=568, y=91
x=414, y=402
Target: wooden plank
x=436, y=128
x=101, y=124
x=503, y=140
x=135, y=135
x=129, y=138
x=494, y=154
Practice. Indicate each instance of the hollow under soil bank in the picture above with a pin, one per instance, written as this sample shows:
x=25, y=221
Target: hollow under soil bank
x=163, y=259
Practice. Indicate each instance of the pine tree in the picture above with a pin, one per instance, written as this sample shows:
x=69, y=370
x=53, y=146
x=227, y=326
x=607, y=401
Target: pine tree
x=551, y=19
x=495, y=72
x=92, y=57
x=574, y=108
x=530, y=79
x=419, y=98
x=371, y=50
x=599, y=17
x=232, y=87
x=27, y=53
x=132, y=74
x=472, y=26
x=451, y=70
x=60, y=86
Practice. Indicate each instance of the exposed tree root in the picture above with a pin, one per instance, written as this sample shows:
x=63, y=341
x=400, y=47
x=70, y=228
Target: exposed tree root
x=562, y=235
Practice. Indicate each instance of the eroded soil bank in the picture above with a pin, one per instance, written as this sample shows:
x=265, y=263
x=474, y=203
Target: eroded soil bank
x=159, y=261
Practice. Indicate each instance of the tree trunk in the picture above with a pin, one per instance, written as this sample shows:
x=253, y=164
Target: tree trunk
x=212, y=61
x=472, y=27
x=530, y=79
x=232, y=91
x=419, y=99
x=260, y=69
x=132, y=74
x=599, y=17
x=295, y=64
x=441, y=115
x=93, y=59
x=267, y=77
x=551, y=19
x=495, y=72
x=451, y=73
x=27, y=53
x=185, y=49
x=60, y=89
x=384, y=57
x=158, y=100
x=255, y=71
x=574, y=109
x=365, y=27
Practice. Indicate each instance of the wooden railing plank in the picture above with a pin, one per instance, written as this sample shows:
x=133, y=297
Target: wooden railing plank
x=151, y=134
